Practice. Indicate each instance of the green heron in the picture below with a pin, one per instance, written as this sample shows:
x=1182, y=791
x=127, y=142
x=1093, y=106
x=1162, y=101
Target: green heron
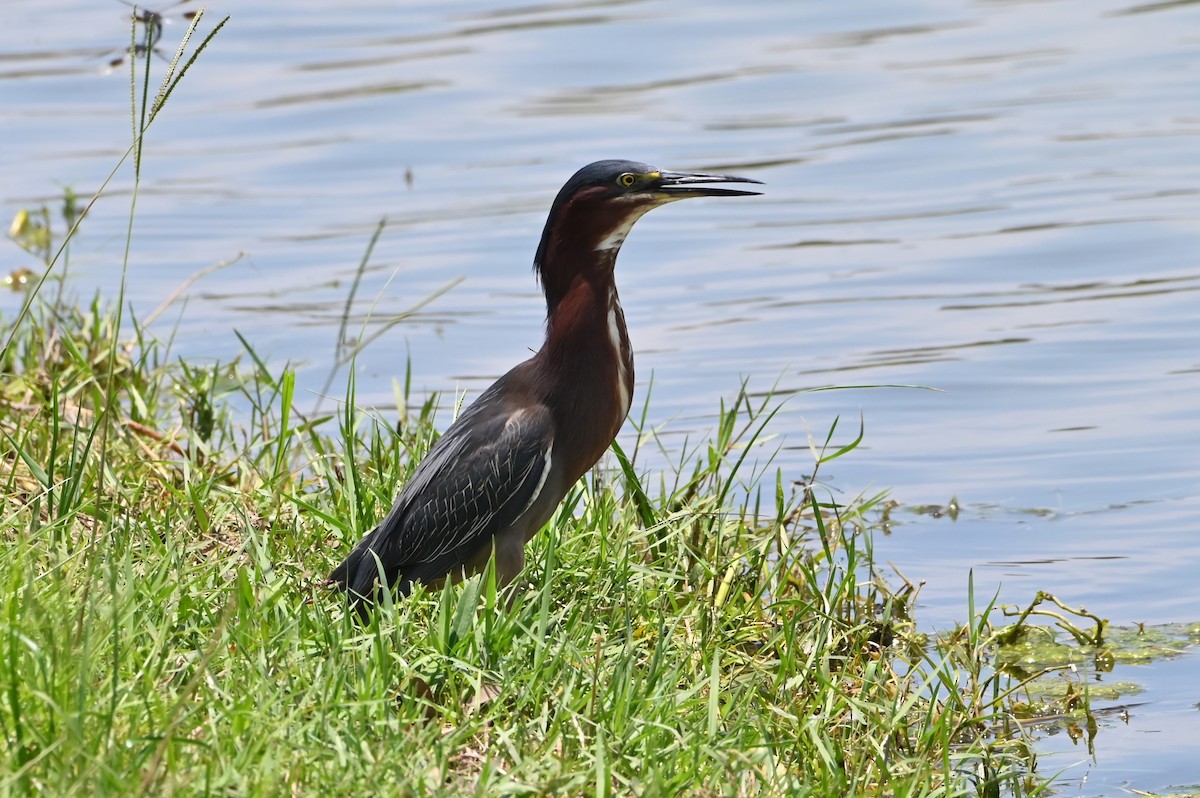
x=495, y=477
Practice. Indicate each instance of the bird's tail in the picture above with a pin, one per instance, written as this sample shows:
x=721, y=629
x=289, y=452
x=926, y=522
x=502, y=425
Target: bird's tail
x=341, y=576
x=359, y=576
x=359, y=572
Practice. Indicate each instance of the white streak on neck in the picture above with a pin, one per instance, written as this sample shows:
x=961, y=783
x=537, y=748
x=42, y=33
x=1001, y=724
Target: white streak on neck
x=616, y=236
x=616, y=318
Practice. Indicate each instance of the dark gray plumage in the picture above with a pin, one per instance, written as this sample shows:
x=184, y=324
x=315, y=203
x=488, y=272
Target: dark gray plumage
x=477, y=480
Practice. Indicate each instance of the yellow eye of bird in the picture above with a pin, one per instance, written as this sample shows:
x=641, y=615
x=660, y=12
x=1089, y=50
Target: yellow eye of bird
x=627, y=180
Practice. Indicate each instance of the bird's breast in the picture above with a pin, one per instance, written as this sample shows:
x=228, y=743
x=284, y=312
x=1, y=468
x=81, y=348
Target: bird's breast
x=585, y=374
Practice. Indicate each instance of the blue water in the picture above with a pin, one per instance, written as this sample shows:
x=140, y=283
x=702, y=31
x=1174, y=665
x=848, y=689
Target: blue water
x=996, y=200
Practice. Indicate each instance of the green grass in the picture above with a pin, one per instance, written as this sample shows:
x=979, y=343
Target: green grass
x=163, y=626
x=717, y=629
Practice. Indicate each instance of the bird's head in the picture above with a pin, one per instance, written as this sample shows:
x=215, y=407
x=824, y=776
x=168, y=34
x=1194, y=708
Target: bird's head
x=598, y=206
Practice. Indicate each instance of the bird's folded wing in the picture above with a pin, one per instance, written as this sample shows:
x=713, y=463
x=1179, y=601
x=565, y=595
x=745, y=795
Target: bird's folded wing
x=480, y=477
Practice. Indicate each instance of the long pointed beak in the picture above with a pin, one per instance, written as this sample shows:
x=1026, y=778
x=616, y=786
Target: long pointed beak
x=680, y=185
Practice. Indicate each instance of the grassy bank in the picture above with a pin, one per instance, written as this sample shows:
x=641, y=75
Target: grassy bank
x=164, y=626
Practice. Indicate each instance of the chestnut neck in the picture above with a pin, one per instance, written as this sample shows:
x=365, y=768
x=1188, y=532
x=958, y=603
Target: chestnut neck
x=585, y=367
x=584, y=370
